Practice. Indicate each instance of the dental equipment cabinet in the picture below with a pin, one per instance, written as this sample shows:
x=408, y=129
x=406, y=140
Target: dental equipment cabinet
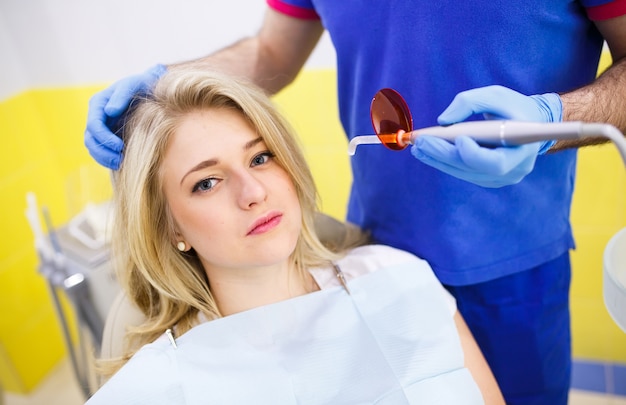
x=74, y=261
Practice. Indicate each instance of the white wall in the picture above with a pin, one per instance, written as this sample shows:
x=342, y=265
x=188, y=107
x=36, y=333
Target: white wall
x=52, y=43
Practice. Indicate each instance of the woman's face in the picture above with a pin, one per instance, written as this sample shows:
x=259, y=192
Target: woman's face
x=229, y=198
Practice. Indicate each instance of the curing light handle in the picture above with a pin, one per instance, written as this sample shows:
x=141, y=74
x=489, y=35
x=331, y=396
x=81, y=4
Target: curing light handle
x=511, y=133
x=504, y=133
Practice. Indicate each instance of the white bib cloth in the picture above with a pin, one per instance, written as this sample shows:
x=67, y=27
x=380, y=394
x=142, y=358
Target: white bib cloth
x=391, y=340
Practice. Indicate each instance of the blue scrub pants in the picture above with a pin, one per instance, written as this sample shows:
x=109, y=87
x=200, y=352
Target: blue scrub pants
x=522, y=324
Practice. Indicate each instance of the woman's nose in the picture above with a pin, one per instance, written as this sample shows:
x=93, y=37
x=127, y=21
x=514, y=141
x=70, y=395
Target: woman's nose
x=251, y=191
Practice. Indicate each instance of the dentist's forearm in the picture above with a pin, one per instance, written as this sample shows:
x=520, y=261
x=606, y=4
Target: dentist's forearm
x=602, y=101
x=273, y=58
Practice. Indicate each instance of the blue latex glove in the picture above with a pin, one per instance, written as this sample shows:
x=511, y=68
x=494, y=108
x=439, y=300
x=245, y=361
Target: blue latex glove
x=489, y=167
x=105, y=110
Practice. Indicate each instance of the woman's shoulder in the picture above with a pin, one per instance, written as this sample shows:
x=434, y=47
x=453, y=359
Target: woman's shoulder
x=367, y=259
x=370, y=258
x=379, y=255
x=389, y=252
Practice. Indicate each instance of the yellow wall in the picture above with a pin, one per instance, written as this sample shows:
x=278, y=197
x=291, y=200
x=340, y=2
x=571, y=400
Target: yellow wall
x=42, y=133
x=598, y=212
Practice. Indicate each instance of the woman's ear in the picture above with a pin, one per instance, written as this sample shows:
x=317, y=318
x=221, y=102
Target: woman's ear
x=179, y=241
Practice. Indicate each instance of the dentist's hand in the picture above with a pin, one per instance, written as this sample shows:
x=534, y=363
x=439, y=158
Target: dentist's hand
x=106, y=108
x=489, y=167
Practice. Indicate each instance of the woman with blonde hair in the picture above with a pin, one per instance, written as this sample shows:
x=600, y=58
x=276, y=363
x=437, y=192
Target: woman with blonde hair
x=215, y=243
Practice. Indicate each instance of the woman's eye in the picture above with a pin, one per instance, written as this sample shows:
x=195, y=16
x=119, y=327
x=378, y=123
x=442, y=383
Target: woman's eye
x=205, y=185
x=262, y=158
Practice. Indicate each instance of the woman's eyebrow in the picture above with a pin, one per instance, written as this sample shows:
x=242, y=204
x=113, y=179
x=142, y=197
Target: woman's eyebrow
x=202, y=165
x=252, y=143
x=212, y=162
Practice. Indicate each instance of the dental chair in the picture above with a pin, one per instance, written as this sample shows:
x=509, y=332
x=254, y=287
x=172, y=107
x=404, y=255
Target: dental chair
x=124, y=314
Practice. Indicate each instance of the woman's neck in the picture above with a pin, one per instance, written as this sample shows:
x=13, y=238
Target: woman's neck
x=237, y=290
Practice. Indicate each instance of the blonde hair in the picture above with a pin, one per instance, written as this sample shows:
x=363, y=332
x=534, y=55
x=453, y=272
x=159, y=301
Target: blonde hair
x=168, y=286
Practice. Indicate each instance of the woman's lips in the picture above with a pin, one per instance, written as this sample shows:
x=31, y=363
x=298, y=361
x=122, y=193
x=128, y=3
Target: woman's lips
x=265, y=223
